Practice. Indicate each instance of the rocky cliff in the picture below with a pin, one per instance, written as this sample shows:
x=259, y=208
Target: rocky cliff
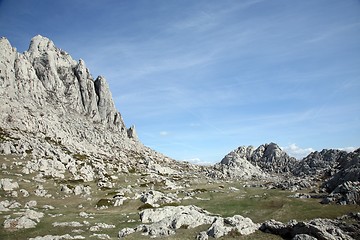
x=53, y=108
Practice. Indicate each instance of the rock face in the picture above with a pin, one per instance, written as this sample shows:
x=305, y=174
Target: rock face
x=347, y=170
x=236, y=164
x=45, y=80
x=247, y=162
x=55, y=111
x=319, y=163
x=323, y=229
x=270, y=158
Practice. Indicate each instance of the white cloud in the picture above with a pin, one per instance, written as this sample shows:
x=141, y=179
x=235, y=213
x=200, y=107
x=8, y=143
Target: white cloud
x=197, y=161
x=164, y=133
x=348, y=149
x=295, y=151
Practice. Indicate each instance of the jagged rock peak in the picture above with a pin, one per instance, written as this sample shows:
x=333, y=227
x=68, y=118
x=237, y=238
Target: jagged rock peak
x=271, y=158
x=268, y=157
x=41, y=44
x=47, y=81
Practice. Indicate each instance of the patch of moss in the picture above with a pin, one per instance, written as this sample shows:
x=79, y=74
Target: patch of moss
x=105, y=202
x=173, y=204
x=80, y=157
x=145, y=206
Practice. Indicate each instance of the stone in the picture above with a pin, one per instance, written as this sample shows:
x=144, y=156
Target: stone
x=125, y=231
x=99, y=226
x=7, y=184
x=324, y=229
x=155, y=198
x=303, y=237
x=221, y=227
x=100, y=236
x=67, y=224
x=202, y=236
x=345, y=193
x=164, y=221
x=31, y=204
x=6, y=205
x=29, y=219
x=24, y=192
x=57, y=237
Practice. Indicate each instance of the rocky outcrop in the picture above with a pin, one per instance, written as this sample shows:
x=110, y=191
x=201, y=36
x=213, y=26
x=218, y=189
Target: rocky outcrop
x=165, y=221
x=247, y=162
x=347, y=170
x=321, y=164
x=345, y=193
x=47, y=94
x=236, y=224
x=156, y=198
x=322, y=229
x=7, y=184
x=236, y=165
x=29, y=219
x=271, y=159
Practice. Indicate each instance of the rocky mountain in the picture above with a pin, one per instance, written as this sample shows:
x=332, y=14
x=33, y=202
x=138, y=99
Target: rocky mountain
x=272, y=159
x=54, y=111
x=249, y=162
x=236, y=164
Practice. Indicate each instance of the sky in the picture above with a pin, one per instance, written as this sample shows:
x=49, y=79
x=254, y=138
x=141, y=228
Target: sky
x=199, y=78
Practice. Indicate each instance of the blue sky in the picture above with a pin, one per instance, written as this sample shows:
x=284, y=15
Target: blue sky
x=200, y=78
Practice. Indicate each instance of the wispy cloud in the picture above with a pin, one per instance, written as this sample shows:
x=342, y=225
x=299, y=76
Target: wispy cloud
x=197, y=161
x=348, y=149
x=295, y=151
x=164, y=133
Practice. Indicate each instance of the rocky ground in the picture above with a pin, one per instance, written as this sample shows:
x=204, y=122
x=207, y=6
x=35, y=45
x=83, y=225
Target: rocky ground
x=70, y=169
x=152, y=203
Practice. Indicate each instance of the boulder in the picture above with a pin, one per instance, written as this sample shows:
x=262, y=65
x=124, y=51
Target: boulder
x=346, y=193
x=155, y=198
x=7, y=184
x=164, y=221
x=239, y=224
x=29, y=219
x=322, y=229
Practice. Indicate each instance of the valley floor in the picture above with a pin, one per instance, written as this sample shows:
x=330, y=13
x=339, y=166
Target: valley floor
x=84, y=209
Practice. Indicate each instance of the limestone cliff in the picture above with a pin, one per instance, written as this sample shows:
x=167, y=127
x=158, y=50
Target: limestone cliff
x=52, y=106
